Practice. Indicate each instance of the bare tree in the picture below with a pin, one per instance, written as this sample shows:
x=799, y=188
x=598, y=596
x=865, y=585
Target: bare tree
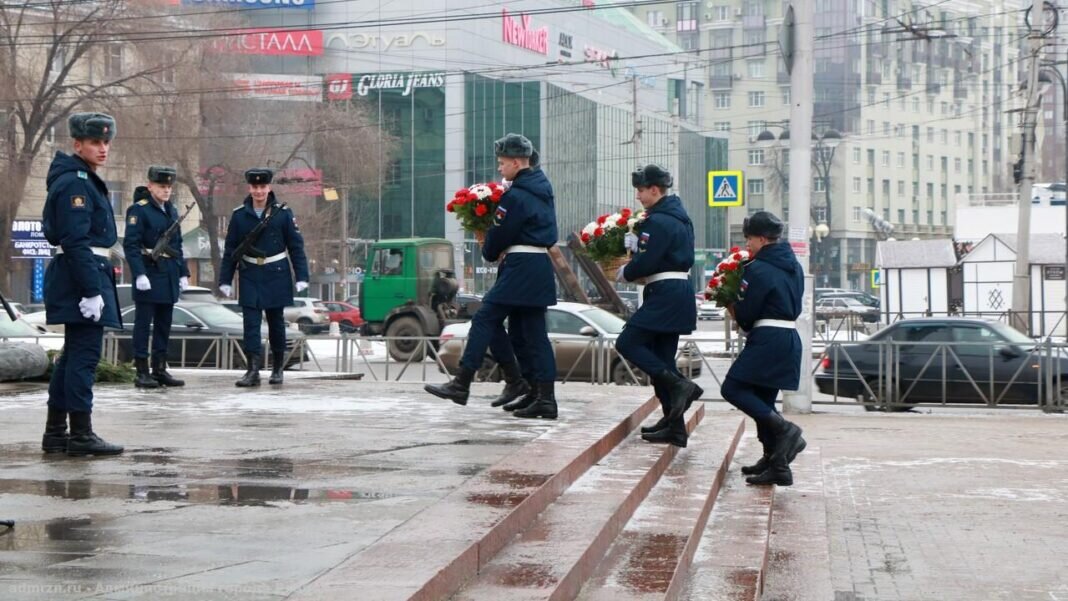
x=54, y=60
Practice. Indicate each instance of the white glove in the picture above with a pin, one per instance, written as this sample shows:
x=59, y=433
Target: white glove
x=92, y=308
x=302, y=286
x=183, y=283
x=227, y=291
x=619, y=275
x=142, y=283
x=630, y=242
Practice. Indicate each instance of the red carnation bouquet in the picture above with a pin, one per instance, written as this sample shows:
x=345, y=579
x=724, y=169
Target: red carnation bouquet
x=476, y=206
x=603, y=237
x=725, y=287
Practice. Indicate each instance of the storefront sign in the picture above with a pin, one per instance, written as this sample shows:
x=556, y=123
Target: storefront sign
x=383, y=41
x=28, y=240
x=567, y=44
x=307, y=4
x=278, y=87
x=1053, y=273
x=338, y=86
x=520, y=33
x=272, y=42
x=604, y=58
x=398, y=81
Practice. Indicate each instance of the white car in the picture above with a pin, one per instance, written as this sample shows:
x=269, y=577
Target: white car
x=709, y=310
x=310, y=314
x=20, y=331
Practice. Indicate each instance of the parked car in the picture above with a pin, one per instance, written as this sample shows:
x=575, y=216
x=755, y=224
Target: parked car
x=309, y=314
x=469, y=304
x=629, y=298
x=822, y=292
x=197, y=324
x=977, y=346
x=18, y=308
x=829, y=308
x=861, y=297
x=708, y=310
x=21, y=331
x=190, y=294
x=347, y=316
x=570, y=326
x=232, y=305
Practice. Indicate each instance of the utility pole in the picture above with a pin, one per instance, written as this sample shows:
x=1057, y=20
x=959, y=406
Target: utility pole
x=636, y=138
x=801, y=46
x=1021, y=279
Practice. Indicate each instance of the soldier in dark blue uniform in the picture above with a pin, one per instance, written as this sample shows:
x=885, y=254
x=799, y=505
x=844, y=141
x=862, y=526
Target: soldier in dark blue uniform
x=157, y=284
x=524, y=228
x=79, y=282
x=663, y=244
x=773, y=285
x=266, y=283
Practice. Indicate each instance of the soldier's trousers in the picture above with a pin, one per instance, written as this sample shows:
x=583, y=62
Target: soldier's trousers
x=71, y=386
x=276, y=329
x=487, y=332
x=753, y=400
x=154, y=318
x=652, y=352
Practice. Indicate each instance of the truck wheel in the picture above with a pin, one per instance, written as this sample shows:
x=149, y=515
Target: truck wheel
x=404, y=348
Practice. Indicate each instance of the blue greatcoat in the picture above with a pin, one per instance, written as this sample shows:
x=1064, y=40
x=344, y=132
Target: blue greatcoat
x=268, y=286
x=525, y=215
x=665, y=243
x=146, y=220
x=773, y=288
x=77, y=216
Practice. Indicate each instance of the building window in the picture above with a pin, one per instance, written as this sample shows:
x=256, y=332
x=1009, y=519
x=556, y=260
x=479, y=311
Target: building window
x=755, y=69
x=786, y=96
x=930, y=162
x=944, y=222
x=686, y=16
x=945, y=192
x=756, y=157
x=956, y=138
x=945, y=164
x=915, y=190
x=871, y=127
x=756, y=99
x=886, y=189
x=930, y=192
x=755, y=128
x=900, y=187
x=722, y=126
x=756, y=186
x=886, y=158
x=721, y=13
x=916, y=161
x=655, y=18
x=856, y=185
x=886, y=128
x=945, y=137
x=930, y=217
x=971, y=166
x=856, y=213
x=820, y=214
x=915, y=105
x=871, y=96
x=721, y=100
x=930, y=135
x=857, y=152
x=956, y=165
x=901, y=215
x=901, y=160
x=817, y=185
x=113, y=60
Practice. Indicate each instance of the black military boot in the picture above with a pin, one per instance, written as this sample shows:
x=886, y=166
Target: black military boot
x=680, y=392
x=160, y=373
x=83, y=441
x=674, y=433
x=55, y=435
x=456, y=389
x=252, y=375
x=777, y=472
x=663, y=421
x=526, y=400
x=543, y=406
x=786, y=444
x=514, y=385
x=278, y=365
x=143, y=379
x=763, y=462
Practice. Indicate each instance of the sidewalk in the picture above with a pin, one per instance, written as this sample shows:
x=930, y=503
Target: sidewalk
x=233, y=494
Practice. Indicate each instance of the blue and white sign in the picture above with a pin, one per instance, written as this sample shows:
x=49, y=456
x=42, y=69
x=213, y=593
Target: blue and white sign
x=28, y=239
x=307, y=4
x=38, y=280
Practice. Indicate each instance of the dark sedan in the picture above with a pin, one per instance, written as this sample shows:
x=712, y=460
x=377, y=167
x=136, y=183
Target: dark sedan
x=199, y=326
x=984, y=362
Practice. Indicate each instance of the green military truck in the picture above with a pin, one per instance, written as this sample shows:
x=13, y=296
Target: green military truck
x=409, y=290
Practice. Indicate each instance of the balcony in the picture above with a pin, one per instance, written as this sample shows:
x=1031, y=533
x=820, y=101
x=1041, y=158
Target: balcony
x=721, y=82
x=782, y=77
x=960, y=90
x=934, y=88
x=754, y=22
x=904, y=82
x=873, y=78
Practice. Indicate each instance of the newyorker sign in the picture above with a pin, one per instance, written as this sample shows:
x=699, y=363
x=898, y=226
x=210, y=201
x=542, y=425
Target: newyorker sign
x=520, y=33
x=272, y=42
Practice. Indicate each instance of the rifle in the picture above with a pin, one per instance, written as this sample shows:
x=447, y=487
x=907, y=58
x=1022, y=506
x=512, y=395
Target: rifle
x=163, y=243
x=247, y=245
x=7, y=307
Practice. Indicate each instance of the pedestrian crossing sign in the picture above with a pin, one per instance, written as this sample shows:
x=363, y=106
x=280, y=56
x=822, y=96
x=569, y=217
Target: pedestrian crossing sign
x=725, y=189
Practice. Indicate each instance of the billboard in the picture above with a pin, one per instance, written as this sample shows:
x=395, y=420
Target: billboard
x=272, y=42
x=306, y=88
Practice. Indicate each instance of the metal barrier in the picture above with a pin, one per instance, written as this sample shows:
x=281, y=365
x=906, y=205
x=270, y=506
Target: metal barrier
x=897, y=375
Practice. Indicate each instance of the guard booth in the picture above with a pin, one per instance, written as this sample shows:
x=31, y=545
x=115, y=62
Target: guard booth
x=987, y=273
x=915, y=278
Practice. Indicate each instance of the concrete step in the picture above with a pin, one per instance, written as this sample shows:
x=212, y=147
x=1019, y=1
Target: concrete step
x=799, y=564
x=651, y=557
x=555, y=556
x=731, y=558
x=433, y=554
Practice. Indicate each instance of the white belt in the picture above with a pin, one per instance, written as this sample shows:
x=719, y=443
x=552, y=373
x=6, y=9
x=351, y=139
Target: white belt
x=667, y=275
x=524, y=248
x=265, y=260
x=99, y=251
x=775, y=323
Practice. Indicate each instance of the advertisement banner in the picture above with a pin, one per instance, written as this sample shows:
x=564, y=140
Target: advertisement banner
x=307, y=88
x=272, y=42
x=28, y=240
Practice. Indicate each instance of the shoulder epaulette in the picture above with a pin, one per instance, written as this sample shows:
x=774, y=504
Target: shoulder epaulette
x=238, y=208
x=83, y=175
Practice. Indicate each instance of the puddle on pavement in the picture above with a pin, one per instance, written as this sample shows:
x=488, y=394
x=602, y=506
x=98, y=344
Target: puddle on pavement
x=507, y=500
x=527, y=575
x=652, y=561
x=221, y=494
x=514, y=479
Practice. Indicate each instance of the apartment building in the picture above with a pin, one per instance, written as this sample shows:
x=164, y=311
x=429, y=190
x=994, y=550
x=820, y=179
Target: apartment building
x=917, y=91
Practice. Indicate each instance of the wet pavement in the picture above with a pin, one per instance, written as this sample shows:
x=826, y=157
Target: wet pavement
x=232, y=494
